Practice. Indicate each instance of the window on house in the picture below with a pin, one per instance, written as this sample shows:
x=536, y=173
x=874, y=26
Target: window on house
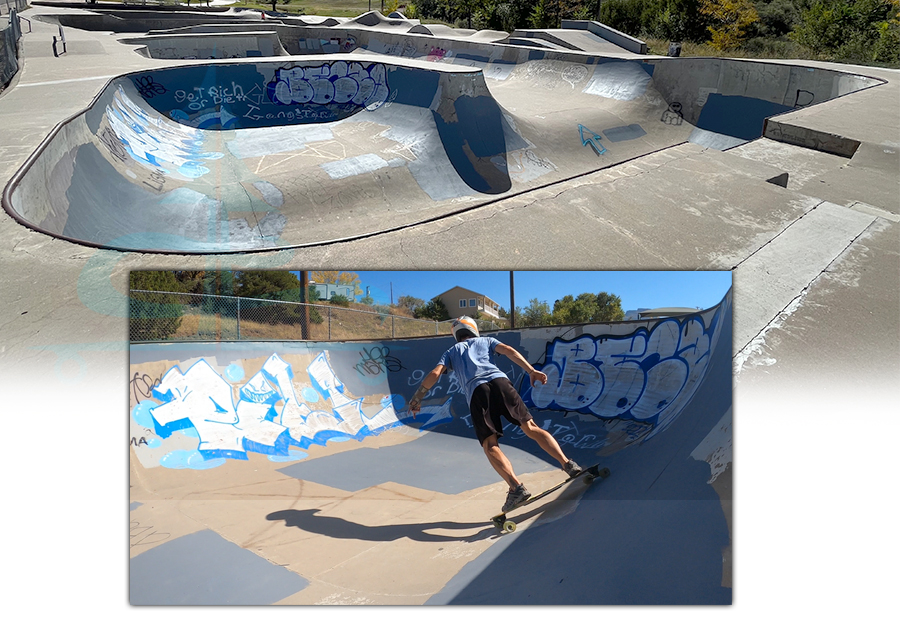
x=462, y=303
x=471, y=303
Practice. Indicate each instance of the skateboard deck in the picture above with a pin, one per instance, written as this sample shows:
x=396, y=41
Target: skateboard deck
x=588, y=475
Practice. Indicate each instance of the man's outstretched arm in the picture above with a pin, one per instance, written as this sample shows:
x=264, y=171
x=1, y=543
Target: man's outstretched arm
x=533, y=374
x=415, y=403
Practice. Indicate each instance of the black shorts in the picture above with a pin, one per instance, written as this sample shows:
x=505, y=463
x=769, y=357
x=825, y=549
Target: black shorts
x=490, y=401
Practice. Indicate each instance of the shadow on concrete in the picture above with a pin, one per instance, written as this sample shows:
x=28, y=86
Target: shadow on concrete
x=654, y=533
x=308, y=520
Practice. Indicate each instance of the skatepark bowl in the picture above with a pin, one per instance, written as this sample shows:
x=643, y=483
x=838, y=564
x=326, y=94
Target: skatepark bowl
x=335, y=130
x=293, y=472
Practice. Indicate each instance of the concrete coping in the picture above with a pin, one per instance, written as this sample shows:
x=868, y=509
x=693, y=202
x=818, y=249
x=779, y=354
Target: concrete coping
x=247, y=33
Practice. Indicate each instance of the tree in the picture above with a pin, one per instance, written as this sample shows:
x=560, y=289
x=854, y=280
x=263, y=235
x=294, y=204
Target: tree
x=409, y=302
x=588, y=308
x=731, y=19
x=282, y=286
x=776, y=17
x=571, y=310
x=434, y=310
x=537, y=314
x=609, y=308
x=191, y=281
x=154, y=316
x=675, y=20
x=275, y=285
x=854, y=30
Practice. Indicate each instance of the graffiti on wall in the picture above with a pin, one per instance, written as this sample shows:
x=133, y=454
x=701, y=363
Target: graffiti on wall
x=646, y=377
x=265, y=415
x=156, y=143
x=248, y=96
x=338, y=82
x=603, y=392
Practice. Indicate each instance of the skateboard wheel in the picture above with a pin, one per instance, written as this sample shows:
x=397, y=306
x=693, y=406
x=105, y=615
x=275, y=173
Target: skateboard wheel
x=604, y=473
x=509, y=526
x=588, y=479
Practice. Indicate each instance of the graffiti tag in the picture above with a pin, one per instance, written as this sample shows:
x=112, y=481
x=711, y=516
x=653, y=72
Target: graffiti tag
x=378, y=360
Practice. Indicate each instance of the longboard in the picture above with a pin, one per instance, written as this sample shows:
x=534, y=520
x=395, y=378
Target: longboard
x=587, y=475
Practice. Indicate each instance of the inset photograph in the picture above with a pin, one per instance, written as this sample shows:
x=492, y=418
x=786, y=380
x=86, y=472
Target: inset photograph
x=430, y=438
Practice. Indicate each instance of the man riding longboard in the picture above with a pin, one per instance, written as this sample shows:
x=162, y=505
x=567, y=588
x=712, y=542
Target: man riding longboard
x=491, y=395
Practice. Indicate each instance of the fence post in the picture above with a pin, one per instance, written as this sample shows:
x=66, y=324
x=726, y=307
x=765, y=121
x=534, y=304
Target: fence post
x=239, y=318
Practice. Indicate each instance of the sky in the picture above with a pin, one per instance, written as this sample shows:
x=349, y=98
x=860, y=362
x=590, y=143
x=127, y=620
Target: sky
x=637, y=289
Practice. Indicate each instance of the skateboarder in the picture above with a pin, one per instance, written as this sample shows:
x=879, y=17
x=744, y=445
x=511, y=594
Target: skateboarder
x=490, y=395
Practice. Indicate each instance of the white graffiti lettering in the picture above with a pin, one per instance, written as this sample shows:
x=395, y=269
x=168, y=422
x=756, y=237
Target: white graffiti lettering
x=202, y=399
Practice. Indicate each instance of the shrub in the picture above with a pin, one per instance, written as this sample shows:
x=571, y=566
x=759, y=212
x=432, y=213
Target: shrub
x=340, y=300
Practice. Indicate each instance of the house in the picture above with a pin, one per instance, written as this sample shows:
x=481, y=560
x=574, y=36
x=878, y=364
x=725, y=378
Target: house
x=464, y=302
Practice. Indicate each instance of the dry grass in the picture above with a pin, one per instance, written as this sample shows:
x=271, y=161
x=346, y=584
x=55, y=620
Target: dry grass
x=354, y=323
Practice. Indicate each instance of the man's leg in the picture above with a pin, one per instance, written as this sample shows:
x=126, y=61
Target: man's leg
x=499, y=462
x=545, y=440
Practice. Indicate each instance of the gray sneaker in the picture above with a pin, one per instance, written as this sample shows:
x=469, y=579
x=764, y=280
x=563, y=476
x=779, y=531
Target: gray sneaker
x=572, y=469
x=518, y=495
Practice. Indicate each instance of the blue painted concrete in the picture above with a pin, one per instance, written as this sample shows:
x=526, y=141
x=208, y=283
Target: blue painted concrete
x=737, y=116
x=205, y=569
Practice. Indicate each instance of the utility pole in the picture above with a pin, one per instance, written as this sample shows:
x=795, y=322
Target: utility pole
x=512, y=301
x=304, y=296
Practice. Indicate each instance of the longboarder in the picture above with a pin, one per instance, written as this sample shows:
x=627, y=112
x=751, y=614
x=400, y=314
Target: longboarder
x=490, y=395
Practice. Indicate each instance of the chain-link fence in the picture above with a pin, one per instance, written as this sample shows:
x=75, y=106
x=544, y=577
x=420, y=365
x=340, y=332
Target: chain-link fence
x=156, y=316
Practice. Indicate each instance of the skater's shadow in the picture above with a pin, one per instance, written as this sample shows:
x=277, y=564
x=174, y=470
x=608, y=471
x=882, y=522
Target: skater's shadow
x=310, y=521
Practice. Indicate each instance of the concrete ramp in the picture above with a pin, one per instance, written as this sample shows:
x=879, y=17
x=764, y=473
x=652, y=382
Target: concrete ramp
x=296, y=471
x=235, y=44
x=261, y=154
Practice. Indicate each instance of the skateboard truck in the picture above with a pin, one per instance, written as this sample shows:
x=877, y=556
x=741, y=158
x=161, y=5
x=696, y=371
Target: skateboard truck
x=588, y=475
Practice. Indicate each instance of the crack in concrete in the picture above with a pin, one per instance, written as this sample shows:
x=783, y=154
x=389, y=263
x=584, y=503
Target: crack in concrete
x=757, y=344
x=778, y=235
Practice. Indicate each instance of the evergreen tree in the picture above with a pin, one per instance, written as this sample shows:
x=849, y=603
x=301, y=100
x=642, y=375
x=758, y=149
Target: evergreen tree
x=154, y=316
x=537, y=314
x=434, y=310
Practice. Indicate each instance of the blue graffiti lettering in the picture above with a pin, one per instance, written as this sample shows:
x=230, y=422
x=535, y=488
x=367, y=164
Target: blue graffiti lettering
x=339, y=83
x=650, y=371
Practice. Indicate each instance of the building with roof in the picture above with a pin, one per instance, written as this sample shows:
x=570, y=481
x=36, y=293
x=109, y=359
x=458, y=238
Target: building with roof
x=464, y=302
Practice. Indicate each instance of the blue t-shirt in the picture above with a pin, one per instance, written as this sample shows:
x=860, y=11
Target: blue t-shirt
x=471, y=363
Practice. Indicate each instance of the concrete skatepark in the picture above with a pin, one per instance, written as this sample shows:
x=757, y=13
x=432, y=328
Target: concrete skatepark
x=355, y=486
x=815, y=339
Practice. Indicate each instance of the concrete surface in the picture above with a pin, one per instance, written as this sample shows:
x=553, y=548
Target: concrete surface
x=814, y=386
x=348, y=484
